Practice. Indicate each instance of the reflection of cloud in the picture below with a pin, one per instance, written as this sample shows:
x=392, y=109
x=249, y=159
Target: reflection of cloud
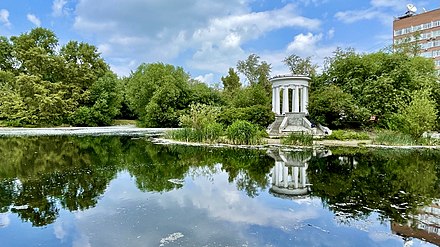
x=205, y=210
x=4, y=220
x=381, y=236
x=58, y=229
x=222, y=201
x=83, y=241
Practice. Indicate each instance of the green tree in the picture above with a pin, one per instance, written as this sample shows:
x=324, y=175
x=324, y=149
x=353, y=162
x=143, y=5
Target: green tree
x=300, y=66
x=379, y=82
x=255, y=71
x=6, y=57
x=231, y=82
x=334, y=108
x=157, y=93
x=105, y=103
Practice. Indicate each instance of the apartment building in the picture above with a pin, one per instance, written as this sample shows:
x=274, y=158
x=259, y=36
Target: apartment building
x=423, y=27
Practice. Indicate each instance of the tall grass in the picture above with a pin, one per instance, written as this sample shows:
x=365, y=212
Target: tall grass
x=244, y=133
x=212, y=133
x=389, y=137
x=299, y=139
x=344, y=135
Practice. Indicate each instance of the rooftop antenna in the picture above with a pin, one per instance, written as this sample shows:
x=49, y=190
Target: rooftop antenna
x=411, y=9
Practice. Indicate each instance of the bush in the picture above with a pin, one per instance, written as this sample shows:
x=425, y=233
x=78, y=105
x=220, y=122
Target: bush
x=301, y=139
x=420, y=115
x=212, y=132
x=347, y=135
x=244, y=132
x=334, y=108
x=257, y=114
x=199, y=116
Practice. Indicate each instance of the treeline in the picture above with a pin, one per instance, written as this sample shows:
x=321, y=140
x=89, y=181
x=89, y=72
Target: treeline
x=45, y=84
x=391, y=90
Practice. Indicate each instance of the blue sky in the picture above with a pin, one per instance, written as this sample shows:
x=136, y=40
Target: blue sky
x=206, y=37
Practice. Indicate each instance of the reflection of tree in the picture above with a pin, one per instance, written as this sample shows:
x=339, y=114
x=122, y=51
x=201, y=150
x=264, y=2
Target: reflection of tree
x=154, y=166
x=249, y=168
x=394, y=183
x=39, y=174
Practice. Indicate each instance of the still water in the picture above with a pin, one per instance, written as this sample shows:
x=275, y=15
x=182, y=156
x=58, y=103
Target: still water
x=123, y=191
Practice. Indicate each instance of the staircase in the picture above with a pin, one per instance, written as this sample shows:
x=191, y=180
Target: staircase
x=274, y=128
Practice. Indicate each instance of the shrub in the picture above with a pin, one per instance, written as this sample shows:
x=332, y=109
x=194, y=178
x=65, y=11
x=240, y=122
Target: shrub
x=199, y=116
x=420, y=115
x=243, y=132
x=212, y=132
x=257, y=114
x=301, y=139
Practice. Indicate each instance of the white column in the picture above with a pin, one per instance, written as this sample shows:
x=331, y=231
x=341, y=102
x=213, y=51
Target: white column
x=293, y=99
x=274, y=169
x=296, y=99
x=306, y=99
x=303, y=177
x=277, y=101
x=285, y=100
x=295, y=177
x=285, y=176
x=273, y=100
x=303, y=100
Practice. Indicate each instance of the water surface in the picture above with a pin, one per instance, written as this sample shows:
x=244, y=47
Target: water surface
x=124, y=191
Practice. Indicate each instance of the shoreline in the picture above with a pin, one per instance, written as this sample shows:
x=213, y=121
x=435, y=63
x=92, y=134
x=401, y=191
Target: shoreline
x=153, y=133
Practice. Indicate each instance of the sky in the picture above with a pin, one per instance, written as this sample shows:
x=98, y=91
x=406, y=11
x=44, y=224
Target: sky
x=207, y=37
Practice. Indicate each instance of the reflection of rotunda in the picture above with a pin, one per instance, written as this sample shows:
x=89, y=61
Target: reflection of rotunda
x=289, y=175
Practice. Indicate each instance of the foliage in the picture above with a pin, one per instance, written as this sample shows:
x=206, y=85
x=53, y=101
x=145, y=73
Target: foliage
x=231, y=82
x=256, y=72
x=105, y=100
x=45, y=84
x=211, y=133
x=347, y=135
x=420, y=115
x=244, y=132
x=300, y=66
x=157, y=93
x=257, y=114
x=299, y=139
x=335, y=108
x=200, y=93
x=389, y=137
x=199, y=116
x=382, y=83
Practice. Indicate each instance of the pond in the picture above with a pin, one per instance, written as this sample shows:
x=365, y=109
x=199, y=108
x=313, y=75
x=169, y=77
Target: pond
x=126, y=191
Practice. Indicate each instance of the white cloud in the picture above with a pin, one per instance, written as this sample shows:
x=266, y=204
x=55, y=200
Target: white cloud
x=4, y=220
x=331, y=33
x=395, y=4
x=210, y=33
x=58, y=7
x=304, y=42
x=314, y=2
x=352, y=16
x=34, y=19
x=208, y=78
x=4, y=17
x=303, y=45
